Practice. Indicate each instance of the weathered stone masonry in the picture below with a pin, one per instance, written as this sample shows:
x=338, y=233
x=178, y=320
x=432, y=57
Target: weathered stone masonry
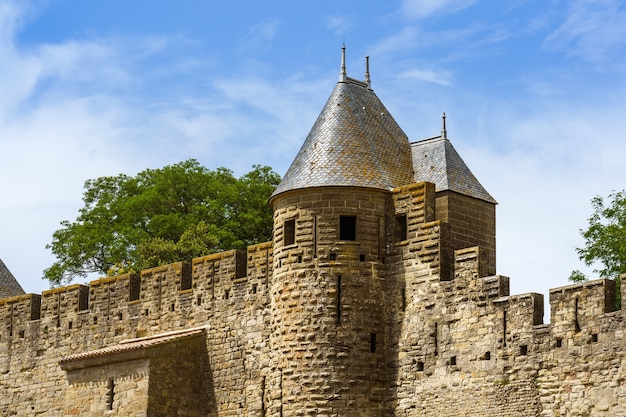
x=378, y=296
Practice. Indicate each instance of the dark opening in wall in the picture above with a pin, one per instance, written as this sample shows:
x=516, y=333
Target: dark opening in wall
x=420, y=366
x=70, y=325
x=83, y=298
x=110, y=394
x=339, y=299
x=289, y=232
x=401, y=229
x=559, y=342
x=347, y=227
x=453, y=360
x=576, y=323
x=594, y=338
x=362, y=257
x=254, y=288
x=373, y=342
x=523, y=350
x=486, y=356
x=186, y=277
x=333, y=256
x=134, y=287
x=226, y=295
x=241, y=264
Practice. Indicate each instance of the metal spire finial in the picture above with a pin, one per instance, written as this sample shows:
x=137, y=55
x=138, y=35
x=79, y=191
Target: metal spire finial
x=444, y=133
x=367, y=72
x=343, y=77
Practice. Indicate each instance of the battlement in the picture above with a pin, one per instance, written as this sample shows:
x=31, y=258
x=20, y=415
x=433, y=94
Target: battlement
x=159, y=294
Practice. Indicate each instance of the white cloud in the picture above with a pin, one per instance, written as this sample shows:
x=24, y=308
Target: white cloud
x=594, y=30
x=338, y=24
x=260, y=37
x=427, y=75
x=419, y=9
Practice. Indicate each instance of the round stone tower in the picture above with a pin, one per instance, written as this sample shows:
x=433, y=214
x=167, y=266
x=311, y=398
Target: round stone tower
x=332, y=211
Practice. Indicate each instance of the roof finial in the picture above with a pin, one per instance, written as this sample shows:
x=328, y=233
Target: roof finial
x=343, y=77
x=367, y=72
x=444, y=133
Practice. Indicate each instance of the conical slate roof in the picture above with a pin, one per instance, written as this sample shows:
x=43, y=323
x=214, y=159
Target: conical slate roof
x=435, y=160
x=354, y=142
x=9, y=287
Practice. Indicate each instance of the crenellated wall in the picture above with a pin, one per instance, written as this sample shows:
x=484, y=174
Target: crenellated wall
x=395, y=322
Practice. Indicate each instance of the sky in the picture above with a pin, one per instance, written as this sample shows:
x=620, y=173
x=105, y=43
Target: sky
x=533, y=91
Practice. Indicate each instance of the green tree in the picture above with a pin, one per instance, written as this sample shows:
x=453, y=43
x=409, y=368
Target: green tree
x=162, y=215
x=605, y=238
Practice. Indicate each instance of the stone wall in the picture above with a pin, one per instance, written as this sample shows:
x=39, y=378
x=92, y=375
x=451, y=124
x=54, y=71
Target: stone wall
x=385, y=318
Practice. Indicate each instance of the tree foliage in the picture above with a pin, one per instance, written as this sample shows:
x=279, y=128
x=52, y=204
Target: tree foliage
x=162, y=215
x=605, y=238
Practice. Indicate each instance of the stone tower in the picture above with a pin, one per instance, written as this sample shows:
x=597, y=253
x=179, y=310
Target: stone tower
x=331, y=223
x=356, y=228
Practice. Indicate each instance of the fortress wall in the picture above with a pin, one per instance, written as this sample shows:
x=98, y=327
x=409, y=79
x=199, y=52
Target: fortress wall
x=37, y=331
x=573, y=307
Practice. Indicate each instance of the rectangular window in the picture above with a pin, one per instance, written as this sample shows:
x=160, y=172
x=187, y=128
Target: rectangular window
x=289, y=232
x=401, y=231
x=347, y=227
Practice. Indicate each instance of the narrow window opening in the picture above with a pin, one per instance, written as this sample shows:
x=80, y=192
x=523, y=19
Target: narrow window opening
x=263, y=397
x=21, y=334
x=333, y=256
x=401, y=229
x=172, y=307
x=299, y=259
x=226, y=295
x=373, y=342
x=523, y=350
x=594, y=338
x=110, y=394
x=435, y=340
x=347, y=228
x=199, y=300
x=339, y=299
x=289, y=232
x=362, y=257
x=95, y=320
x=70, y=325
x=504, y=328
x=576, y=323
x=120, y=316
x=559, y=342
x=420, y=366
x=453, y=360
x=146, y=312
x=254, y=289
x=315, y=237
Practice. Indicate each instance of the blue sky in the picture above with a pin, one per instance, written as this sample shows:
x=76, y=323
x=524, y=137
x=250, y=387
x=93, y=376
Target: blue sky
x=533, y=90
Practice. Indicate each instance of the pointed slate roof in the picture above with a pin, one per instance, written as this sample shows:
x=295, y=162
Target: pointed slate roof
x=9, y=287
x=435, y=160
x=354, y=142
